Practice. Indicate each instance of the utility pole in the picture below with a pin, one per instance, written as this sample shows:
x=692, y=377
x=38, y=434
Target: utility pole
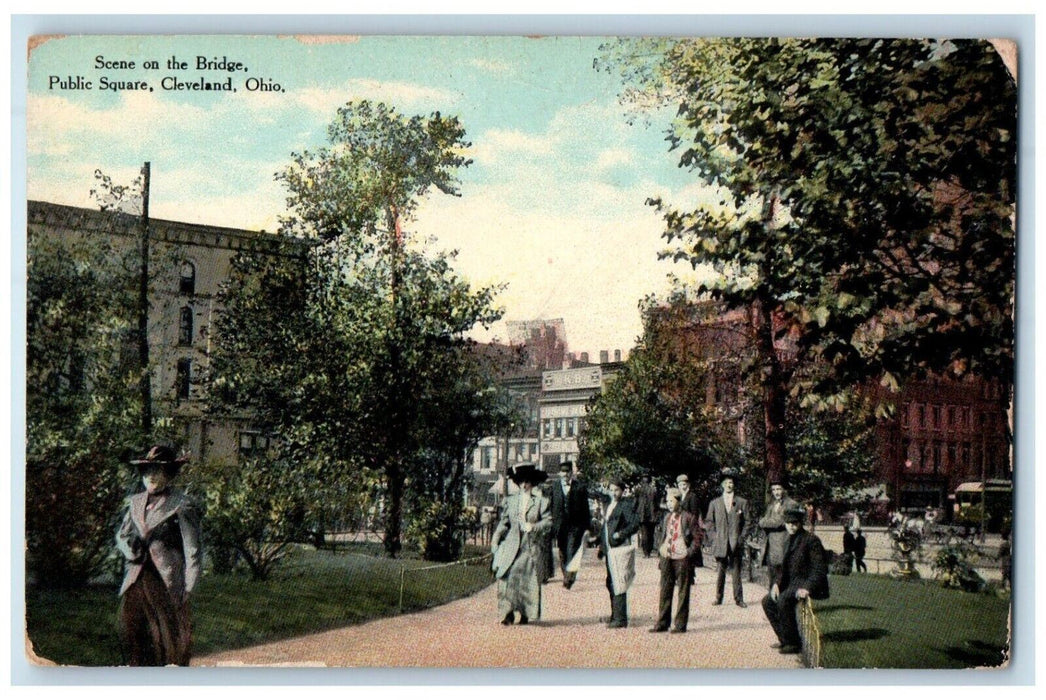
x=145, y=381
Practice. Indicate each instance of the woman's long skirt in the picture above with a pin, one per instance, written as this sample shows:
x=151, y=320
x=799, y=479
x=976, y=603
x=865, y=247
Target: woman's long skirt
x=155, y=629
x=519, y=590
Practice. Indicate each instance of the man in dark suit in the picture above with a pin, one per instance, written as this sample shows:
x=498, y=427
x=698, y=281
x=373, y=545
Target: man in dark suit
x=728, y=521
x=619, y=524
x=773, y=524
x=677, y=544
x=571, y=517
x=804, y=574
x=849, y=545
x=647, y=508
x=689, y=503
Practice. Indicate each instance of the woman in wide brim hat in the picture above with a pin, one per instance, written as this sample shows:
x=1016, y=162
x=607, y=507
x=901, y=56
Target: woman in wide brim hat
x=516, y=547
x=162, y=456
x=160, y=541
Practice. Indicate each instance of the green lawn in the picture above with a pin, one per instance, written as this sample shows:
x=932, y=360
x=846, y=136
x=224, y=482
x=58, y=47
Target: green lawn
x=309, y=592
x=876, y=622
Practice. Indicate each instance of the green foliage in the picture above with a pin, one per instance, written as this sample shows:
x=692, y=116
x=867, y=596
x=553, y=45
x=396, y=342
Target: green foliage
x=350, y=347
x=377, y=167
x=82, y=403
x=952, y=569
x=861, y=202
x=438, y=529
x=831, y=456
x=652, y=417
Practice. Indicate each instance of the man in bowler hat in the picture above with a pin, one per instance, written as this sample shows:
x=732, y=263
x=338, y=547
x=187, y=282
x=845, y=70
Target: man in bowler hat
x=773, y=524
x=728, y=520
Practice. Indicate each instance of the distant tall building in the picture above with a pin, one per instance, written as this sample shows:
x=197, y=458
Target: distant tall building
x=544, y=342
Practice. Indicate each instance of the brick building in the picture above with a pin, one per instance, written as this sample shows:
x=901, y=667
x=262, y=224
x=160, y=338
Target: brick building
x=944, y=433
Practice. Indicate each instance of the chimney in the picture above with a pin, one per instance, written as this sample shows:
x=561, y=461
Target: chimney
x=604, y=357
x=584, y=357
x=617, y=356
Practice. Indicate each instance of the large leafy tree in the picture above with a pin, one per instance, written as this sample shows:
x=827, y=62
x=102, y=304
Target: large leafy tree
x=863, y=203
x=655, y=417
x=388, y=389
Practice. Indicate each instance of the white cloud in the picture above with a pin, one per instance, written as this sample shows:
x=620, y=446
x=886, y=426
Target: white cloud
x=58, y=126
x=500, y=148
x=401, y=95
x=613, y=157
x=591, y=272
x=492, y=66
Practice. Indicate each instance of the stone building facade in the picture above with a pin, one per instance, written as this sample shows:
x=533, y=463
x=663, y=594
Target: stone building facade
x=188, y=263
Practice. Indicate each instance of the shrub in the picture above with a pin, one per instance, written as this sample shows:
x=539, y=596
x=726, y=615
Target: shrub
x=952, y=569
x=840, y=564
x=438, y=529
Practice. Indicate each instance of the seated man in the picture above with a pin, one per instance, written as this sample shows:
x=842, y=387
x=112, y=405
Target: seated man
x=804, y=574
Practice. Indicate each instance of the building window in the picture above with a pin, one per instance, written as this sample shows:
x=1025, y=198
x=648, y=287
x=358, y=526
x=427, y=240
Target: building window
x=188, y=279
x=185, y=323
x=253, y=443
x=547, y=427
x=559, y=427
x=183, y=382
x=571, y=427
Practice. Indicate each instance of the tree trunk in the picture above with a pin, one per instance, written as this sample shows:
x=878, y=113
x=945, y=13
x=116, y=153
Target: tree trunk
x=774, y=396
x=394, y=515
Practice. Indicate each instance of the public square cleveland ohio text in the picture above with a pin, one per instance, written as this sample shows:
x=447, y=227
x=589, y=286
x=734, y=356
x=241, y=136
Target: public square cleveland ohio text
x=174, y=74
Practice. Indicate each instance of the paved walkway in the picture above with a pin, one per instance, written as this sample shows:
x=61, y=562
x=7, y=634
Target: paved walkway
x=466, y=633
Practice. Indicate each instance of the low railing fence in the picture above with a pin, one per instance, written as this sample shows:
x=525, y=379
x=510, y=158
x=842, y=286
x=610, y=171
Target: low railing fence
x=407, y=572
x=810, y=633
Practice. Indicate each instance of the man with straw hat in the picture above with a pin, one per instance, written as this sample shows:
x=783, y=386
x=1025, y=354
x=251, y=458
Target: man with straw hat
x=678, y=542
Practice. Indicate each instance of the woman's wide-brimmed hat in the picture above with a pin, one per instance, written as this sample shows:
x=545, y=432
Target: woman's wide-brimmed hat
x=162, y=456
x=795, y=515
x=728, y=474
x=526, y=472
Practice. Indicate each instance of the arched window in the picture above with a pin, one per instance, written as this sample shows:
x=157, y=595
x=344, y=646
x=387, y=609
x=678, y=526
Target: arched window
x=185, y=326
x=188, y=278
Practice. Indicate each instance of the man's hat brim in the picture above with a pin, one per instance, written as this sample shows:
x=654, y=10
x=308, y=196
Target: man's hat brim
x=528, y=473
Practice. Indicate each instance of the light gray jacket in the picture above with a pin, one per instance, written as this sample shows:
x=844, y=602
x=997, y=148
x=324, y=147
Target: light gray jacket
x=169, y=536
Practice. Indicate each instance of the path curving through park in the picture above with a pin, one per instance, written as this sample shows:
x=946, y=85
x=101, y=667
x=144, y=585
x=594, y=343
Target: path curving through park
x=466, y=633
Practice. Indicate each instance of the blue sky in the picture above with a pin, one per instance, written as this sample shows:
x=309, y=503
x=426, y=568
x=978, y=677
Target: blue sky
x=553, y=205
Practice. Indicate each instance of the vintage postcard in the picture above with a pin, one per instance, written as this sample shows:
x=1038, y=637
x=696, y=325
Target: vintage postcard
x=520, y=352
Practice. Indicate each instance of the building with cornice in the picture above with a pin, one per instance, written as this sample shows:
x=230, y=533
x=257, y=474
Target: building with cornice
x=188, y=264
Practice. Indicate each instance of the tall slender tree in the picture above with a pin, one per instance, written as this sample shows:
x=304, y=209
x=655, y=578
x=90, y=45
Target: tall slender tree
x=358, y=195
